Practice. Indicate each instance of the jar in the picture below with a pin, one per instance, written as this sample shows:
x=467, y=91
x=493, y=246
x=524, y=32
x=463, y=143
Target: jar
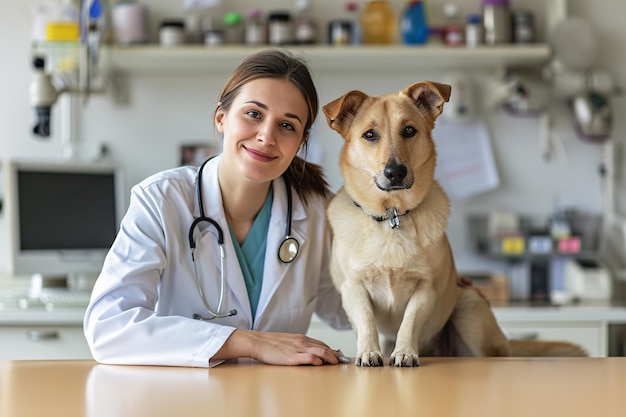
x=255, y=27
x=496, y=21
x=233, y=28
x=378, y=23
x=340, y=32
x=523, y=27
x=172, y=33
x=473, y=30
x=280, y=29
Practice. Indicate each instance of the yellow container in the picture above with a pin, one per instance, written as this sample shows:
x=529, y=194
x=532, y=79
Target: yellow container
x=62, y=31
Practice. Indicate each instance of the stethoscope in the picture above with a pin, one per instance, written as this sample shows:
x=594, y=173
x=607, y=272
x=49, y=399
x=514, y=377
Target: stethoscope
x=287, y=250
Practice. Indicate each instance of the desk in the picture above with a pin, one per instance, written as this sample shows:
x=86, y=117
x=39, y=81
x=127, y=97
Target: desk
x=464, y=387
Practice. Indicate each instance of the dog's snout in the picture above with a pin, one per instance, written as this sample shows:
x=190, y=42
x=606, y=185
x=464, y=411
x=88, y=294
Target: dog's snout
x=395, y=173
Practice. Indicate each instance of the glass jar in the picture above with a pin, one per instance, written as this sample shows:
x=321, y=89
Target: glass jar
x=378, y=23
x=280, y=28
x=172, y=32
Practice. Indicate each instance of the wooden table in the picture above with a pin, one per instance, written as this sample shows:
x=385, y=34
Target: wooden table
x=464, y=387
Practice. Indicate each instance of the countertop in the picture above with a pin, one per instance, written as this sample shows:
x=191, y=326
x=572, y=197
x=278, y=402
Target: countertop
x=467, y=387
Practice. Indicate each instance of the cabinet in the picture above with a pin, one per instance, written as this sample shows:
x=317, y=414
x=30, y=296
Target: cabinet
x=585, y=325
x=39, y=334
x=43, y=342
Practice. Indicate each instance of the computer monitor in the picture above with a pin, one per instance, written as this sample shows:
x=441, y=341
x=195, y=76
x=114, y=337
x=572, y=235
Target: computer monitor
x=61, y=216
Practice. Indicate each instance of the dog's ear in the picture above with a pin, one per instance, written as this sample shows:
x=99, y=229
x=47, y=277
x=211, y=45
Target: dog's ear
x=340, y=112
x=429, y=96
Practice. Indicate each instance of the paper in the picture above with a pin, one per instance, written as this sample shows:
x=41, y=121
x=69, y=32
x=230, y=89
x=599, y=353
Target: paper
x=466, y=165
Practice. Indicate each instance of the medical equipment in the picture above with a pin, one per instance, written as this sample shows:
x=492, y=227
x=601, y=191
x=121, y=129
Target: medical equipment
x=287, y=250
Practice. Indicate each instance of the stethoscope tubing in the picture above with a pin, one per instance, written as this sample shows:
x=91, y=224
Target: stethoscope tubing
x=289, y=241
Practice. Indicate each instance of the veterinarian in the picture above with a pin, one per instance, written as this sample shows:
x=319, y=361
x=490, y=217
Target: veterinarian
x=166, y=296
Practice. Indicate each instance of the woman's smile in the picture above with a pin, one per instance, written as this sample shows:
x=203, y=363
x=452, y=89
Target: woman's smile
x=259, y=155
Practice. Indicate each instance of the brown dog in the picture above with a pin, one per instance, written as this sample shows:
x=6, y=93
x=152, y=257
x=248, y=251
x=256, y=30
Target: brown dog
x=392, y=261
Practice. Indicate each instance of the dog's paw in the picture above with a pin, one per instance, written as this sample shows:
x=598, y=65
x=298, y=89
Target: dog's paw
x=369, y=359
x=404, y=360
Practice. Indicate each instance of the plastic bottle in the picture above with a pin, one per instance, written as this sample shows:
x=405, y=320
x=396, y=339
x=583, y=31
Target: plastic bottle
x=345, y=30
x=233, y=28
x=255, y=32
x=413, y=25
x=453, y=30
x=351, y=10
x=305, y=26
x=473, y=30
x=496, y=21
x=378, y=23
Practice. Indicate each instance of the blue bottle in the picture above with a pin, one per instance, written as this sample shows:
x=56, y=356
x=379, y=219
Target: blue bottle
x=413, y=24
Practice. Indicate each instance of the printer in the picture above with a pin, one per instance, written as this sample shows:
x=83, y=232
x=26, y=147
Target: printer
x=587, y=279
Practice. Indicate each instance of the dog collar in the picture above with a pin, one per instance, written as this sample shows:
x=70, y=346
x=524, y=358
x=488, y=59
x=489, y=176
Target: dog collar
x=391, y=215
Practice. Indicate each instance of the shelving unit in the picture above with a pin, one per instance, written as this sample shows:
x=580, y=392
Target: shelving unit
x=155, y=59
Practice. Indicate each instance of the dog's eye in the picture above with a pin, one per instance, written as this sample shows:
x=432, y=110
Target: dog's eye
x=409, y=131
x=370, y=135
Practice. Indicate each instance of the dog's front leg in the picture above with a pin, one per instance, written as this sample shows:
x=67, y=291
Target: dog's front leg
x=358, y=306
x=418, y=309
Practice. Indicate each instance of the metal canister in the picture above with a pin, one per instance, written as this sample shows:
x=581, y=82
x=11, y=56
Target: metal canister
x=496, y=21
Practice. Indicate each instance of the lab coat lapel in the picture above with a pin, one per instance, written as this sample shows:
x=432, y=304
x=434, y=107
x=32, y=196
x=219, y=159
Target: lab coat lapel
x=213, y=208
x=274, y=271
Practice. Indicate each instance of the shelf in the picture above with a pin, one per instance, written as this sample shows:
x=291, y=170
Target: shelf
x=388, y=58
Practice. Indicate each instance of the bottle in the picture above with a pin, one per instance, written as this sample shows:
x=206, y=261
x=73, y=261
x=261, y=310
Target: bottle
x=280, y=28
x=345, y=30
x=413, y=25
x=172, y=32
x=523, y=27
x=473, y=31
x=452, y=31
x=496, y=21
x=305, y=26
x=233, y=28
x=255, y=27
x=351, y=10
x=378, y=22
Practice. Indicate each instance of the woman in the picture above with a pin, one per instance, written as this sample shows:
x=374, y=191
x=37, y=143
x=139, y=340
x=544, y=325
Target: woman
x=151, y=286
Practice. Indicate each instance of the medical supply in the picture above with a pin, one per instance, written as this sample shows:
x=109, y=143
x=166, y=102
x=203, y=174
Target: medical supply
x=287, y=250
x=305, y=27
x=473, y=30
x=523, y=27
x=413, y=25
x=130, y=22
x=453, y=31
x=172, y=32
x=280, y=28
x=496, y=21
x=378, y=23
x=233, y=28
x=255, y=28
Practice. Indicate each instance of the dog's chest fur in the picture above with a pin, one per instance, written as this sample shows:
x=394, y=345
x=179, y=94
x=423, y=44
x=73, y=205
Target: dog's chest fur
x=383, y=256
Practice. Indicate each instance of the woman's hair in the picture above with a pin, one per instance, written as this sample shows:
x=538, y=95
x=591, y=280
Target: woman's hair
x=305, y=177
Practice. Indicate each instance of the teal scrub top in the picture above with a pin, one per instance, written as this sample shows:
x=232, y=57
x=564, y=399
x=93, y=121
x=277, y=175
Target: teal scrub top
x=251, y=254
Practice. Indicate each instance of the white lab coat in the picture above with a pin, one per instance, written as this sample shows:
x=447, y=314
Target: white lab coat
x=143, y=301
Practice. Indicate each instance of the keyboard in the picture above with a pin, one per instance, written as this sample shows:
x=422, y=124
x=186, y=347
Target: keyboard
x=61, y=299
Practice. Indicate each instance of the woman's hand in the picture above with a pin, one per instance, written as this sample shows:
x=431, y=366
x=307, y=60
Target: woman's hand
x=277, y=349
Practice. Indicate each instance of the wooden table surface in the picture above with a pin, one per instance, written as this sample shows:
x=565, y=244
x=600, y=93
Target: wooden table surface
x=464, y=387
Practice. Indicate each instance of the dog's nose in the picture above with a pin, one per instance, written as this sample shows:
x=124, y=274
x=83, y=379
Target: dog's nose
x=395, y=173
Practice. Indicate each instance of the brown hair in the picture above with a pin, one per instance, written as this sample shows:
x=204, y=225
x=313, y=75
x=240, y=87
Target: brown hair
x=305, y=177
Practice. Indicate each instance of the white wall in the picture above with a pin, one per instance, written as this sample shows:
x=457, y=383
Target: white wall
x=164, y=112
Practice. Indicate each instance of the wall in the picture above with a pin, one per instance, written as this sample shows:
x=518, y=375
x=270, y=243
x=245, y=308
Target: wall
x=163, y=112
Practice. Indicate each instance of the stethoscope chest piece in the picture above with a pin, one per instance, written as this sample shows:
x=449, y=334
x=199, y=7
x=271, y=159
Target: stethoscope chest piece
x=288, y=250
